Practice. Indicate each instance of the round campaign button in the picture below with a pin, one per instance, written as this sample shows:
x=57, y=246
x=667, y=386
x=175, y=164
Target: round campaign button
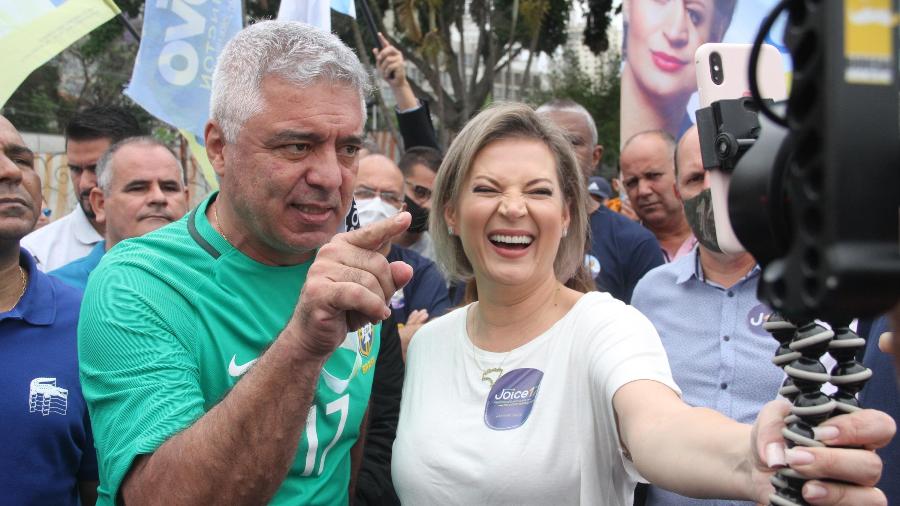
x=511, y=399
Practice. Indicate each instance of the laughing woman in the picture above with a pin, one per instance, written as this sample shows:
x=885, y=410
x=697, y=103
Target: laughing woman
x=540, y=394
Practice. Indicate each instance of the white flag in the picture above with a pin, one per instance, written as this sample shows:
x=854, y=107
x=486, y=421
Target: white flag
x=314, y=12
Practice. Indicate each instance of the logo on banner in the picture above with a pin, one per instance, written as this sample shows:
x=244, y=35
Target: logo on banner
x=511, y=399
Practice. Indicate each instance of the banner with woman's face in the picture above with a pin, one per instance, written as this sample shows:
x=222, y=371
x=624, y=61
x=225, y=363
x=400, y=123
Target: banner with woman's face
x=659, y=84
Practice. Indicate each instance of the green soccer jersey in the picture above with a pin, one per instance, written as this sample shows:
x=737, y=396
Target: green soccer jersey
x=170, y=322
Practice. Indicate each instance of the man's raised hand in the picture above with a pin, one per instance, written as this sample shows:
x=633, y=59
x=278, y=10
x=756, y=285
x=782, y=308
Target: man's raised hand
x=349, y=284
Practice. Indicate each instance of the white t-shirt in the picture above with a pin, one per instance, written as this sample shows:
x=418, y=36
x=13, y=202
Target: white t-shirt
x=62, y=241
x=545, y=433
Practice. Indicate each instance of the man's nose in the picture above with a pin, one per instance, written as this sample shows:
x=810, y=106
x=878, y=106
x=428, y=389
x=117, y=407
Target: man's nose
x=156, y=195
x=88, y=179
x=644, y=187
x=10, y=172
x=326, y=171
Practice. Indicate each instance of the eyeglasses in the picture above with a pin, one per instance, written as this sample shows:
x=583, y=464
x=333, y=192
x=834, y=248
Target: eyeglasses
x=419, y=191
x=366, y=193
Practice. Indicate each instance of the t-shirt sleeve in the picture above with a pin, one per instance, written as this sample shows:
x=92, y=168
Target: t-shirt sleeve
x=625, y=350
x=138, y=372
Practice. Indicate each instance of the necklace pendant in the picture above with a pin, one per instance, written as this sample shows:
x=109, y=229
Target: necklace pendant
x=486, y=375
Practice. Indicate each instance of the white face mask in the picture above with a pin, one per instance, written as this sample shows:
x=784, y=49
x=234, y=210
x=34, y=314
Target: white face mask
x=372, y=210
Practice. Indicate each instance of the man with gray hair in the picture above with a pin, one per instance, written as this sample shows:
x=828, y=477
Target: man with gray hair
x=621, y=251
x=141, y=187
x=228, y=358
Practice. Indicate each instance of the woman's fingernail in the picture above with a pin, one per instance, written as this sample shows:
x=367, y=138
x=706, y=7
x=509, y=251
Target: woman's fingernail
x=798, y=457
x=826, y=432
x=775, y=455
x=814, y=491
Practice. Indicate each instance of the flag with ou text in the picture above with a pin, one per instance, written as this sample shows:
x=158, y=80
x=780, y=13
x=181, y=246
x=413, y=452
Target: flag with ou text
x=33, y=32
x=314, y=12
x=172, y=76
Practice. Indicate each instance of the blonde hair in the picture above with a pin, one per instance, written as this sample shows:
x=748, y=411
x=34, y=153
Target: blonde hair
x=507, y=120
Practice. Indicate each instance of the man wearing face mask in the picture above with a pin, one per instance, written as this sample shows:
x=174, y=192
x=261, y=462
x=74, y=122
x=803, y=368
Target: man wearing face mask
x=379, y=195
x=419, y=166
x=705, y=308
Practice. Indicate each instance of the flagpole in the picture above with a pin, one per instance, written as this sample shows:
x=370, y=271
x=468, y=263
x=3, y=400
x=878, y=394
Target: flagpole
x=128, y=27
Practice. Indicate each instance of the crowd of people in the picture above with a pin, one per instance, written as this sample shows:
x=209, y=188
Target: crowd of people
x=469, y=324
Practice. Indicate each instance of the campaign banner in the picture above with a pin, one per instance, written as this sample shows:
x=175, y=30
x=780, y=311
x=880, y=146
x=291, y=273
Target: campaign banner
x=314, y=12
x=659, y=84
x=172, y=76
x=31, y=35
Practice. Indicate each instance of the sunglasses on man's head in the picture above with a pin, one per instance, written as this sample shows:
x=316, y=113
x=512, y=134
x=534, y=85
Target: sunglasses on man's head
x=421, y=192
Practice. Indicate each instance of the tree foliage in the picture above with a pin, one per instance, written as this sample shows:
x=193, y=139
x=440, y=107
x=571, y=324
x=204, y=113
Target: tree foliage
x=459, y=73
x=597, y=19
x=92, y=71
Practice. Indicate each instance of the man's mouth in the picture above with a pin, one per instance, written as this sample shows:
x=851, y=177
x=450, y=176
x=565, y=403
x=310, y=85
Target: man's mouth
x=311, y=209
x=157, y=217
x=13, y=200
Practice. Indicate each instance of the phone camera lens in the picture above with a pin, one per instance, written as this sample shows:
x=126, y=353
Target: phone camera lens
x=715, y=67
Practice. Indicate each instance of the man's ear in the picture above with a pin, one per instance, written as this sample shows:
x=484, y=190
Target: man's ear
x=597, y=155
x=677, y=193
x=215, y=146
x=98, y=204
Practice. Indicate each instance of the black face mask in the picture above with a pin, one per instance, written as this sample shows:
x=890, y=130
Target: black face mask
x=699, y=213
x=419, y=216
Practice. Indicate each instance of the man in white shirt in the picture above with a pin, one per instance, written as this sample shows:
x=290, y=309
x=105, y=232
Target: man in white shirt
x=89, y=134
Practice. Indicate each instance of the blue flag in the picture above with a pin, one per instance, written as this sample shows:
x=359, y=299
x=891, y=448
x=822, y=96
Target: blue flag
x=180, y=43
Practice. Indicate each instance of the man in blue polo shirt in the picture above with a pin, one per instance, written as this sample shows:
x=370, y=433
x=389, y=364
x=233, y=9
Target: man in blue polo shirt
x=141, y=187
x=709, y=320
x=621, y=251
x=46, y=448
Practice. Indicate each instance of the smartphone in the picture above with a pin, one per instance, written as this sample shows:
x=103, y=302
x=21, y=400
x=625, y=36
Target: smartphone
x=722, y=74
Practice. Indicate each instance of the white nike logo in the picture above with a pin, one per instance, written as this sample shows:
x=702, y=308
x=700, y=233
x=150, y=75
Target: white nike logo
x=236, y=371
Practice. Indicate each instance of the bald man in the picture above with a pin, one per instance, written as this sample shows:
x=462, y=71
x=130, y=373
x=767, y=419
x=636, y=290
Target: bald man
x=141, y=187
x=621, y=251
x=379, y=194
x=648, y=174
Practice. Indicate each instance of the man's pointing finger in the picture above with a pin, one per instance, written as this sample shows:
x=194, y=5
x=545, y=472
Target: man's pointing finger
x=372, y=237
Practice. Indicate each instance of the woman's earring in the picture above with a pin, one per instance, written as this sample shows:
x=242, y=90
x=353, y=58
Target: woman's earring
x=565, y=232
x=450, y=229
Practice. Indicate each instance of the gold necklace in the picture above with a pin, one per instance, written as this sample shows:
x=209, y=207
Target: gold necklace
x=486, y=373
x=21, y=291
x=219, y=225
